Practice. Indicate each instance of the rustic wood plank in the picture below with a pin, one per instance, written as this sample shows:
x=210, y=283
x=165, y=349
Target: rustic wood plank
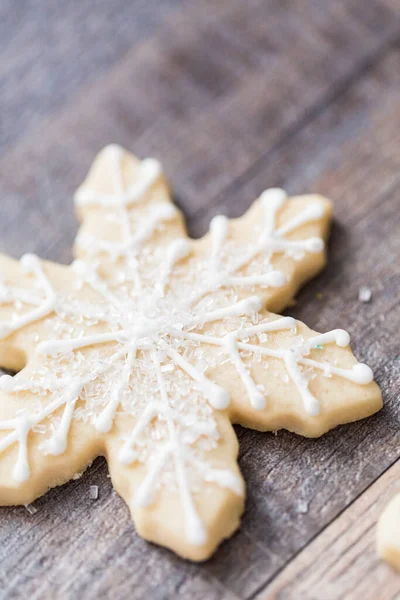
x=342, y=562
x=309, y=161
x=208, y=126
x=252, y=93
x=48, y=54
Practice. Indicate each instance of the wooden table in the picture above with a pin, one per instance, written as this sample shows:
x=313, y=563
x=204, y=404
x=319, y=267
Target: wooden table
x=232, y=96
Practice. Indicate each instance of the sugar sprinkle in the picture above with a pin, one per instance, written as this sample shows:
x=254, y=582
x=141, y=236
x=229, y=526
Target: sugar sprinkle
x=94, y=492
x=31, y=509
x=364, y=294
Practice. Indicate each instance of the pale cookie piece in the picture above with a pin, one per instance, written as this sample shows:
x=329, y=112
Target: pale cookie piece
x=151, y=345
x=388, y=533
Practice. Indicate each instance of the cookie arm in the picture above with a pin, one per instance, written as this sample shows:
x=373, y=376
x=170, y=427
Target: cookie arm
x=28, y=294
x=122, y=203
x=44, y=447
x=281, y=239
x=297, y=379
x=190, y=521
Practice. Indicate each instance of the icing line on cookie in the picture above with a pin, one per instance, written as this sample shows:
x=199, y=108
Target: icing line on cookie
x=149, y=173
x=30, y=264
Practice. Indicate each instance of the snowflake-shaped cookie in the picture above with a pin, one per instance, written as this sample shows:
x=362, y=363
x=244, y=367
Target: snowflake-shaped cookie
x=150, y=345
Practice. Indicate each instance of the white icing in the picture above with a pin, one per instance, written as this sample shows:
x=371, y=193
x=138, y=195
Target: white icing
x=160, y=213
x=52, y=347
x=194, y=529
x=359, y=373
x=271, y=279
x=271, y=200
x=257, y=399
x=126, y=454
x=312, y=212
x=178, y=250
x=142, y=348
x=21, y=469
x=216, y=395
x=276, y=325
x=219, y=228
x=90, y=277
x=31, y=265
x=145, y=494
x=273, y=238
x=293, y=357
x=221, y=477
x=105, y=420
x=249, y=306
x=57, y=443
x=149, y=173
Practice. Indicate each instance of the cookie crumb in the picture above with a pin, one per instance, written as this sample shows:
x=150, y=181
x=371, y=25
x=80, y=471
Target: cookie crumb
x=365, y=294
x=31, y=509
x=94, y=492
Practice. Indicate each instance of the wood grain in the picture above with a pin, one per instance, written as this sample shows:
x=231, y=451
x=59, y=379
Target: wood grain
x=342, y=561
x=48, y=54
x=262, y=79
x=232, y=97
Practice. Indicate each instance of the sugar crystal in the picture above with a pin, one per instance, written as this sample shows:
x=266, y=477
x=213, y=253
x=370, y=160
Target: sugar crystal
x=365, y=294
x=94, y=492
